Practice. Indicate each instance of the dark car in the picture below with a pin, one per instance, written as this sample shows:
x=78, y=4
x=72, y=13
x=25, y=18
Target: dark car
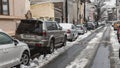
x=41, y=36
x=90, y=26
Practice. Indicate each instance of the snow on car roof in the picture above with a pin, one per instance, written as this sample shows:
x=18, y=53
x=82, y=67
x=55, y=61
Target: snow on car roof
x=66, y=25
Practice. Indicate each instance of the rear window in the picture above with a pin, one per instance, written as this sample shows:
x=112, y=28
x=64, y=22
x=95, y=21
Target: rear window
x=30, y=27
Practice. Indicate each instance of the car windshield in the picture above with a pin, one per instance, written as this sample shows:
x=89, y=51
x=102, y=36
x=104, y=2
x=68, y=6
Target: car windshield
x=31, y=27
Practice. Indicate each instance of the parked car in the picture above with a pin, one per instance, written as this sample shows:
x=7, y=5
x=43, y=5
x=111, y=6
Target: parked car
x=90, y=26
x=116, y=25
x=96, y=24
x=41, y=36
x=70, y=30
x=12, y=51
x=81, y=29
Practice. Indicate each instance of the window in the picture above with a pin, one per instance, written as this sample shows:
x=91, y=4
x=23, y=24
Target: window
x=4, y=7
x=5, y=39
x=51, y=26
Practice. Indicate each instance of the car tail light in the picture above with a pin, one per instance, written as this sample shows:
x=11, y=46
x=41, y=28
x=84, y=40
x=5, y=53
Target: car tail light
x=44, y=33
x=38, y=45
x=68, y=31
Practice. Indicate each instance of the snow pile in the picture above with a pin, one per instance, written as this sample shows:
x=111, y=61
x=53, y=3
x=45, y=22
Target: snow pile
x=87, y=54
x=115, y=49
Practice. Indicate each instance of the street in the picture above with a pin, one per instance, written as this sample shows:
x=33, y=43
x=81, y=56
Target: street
x=69, y=55
x=60, y=34
x=102, y=58
x=91, y=51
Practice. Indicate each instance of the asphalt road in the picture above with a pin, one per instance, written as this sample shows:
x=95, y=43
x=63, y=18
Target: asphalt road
x=69, y=55
x=102, y=59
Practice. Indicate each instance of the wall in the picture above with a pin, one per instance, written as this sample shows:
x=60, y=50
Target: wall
x=43, y=10
x=17, y=12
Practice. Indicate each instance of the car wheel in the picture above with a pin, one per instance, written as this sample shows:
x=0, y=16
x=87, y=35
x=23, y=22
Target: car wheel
x=65, y=40
x=52, y=47
x=25, y=58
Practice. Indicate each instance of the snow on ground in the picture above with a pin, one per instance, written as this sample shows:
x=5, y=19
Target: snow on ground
x=39, y=62
x=87, y=54
x=115, y=49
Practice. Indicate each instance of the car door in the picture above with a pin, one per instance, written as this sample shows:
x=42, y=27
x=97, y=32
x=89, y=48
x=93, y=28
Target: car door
x=60, y=33
x=2, y=55
x=52, y=31
x=9, y=49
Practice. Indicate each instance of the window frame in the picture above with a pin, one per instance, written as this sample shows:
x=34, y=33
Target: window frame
x=1, y=6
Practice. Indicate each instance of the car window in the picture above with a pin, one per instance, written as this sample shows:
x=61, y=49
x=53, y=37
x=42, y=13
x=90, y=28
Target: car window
x=31, y=27
x=5, y=39
x=51, y=26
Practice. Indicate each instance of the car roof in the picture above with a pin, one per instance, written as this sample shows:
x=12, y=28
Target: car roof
x=66, y=23
x=31, y=20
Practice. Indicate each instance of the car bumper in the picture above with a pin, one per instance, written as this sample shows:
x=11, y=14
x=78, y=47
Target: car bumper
x=69, y=36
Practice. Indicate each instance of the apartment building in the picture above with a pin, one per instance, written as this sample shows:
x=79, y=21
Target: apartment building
x=11, y=12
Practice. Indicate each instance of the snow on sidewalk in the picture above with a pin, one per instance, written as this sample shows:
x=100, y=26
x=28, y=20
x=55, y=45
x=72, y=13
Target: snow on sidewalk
x=115, y=49
x=87, y=54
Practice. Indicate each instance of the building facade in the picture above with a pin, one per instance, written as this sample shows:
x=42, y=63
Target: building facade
x=118, y=9
x=47, y=10
x=11, y=14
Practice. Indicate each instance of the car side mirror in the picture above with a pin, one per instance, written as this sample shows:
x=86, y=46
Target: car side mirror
x=15, y=42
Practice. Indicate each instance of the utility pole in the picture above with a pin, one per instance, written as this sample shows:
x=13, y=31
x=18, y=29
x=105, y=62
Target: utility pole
x=66, y=11
x=85, y=11
x=78, y=11
x=116, y=10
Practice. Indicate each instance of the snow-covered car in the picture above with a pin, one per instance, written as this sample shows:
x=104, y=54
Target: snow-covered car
x=12, y=51
x=70, y=30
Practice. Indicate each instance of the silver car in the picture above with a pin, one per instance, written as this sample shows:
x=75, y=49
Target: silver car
x=12, y=52
x=41, y=36
x=81, y=29
x=70, y=30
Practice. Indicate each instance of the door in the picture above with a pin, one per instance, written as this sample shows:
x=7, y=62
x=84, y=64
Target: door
x=9, y=49
x=60, y=33
x=52, y=30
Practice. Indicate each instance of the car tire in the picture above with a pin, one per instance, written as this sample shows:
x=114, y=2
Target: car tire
x=65, y=40
x=25, y=58
x=52, y=47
